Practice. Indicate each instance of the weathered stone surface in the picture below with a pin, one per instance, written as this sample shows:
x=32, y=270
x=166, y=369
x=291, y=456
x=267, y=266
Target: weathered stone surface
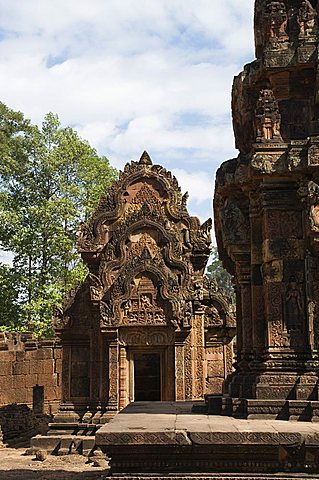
x=167, y=437
x=26, y=366
x=146, y=324
x=19, y=423
x=266, y=216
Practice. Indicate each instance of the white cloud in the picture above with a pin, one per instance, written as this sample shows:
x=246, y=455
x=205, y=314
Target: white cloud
x=132, y=75
x=6, y=257
x=197, y=184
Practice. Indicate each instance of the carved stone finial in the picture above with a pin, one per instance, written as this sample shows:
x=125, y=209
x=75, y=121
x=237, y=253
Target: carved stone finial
x=145, y=159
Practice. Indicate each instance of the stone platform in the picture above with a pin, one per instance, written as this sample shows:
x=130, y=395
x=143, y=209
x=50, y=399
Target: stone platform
x=213, y=477
x=165, y=439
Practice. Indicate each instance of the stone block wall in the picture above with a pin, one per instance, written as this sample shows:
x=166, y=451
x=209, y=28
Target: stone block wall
x=30, y=372
x=220, y=359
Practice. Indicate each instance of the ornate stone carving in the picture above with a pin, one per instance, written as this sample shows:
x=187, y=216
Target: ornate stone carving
x=272, y=188
x=268, y=117
x=235, y=223
x=106, y=314
x=307, y=19
x=187, y=313
x=294, y=306
x=59, y=320
x=137, y=337
x=313, y=155
x=313, y=200
x=271, y=22
x=96, y=288
x=146, y=295
x=276, y=20
x=212, y=317
x=143, y=307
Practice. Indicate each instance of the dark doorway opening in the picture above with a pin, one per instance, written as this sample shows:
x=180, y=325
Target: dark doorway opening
x=147, y=377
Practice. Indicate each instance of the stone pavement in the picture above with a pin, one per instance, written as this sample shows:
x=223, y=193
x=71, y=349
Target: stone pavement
x=164, y=437
x=177, y=417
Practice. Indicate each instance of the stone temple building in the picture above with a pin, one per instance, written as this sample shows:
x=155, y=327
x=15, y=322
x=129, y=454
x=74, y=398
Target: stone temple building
x=266, y=216
x=146, y=324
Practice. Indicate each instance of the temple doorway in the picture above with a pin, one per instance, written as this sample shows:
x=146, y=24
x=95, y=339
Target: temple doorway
x=147, y=377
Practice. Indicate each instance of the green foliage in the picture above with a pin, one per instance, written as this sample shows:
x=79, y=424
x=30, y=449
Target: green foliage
x=9, y=302
x=215, y=269
x=50, y=181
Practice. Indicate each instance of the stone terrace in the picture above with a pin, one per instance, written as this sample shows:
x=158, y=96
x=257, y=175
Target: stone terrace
x=168, y=438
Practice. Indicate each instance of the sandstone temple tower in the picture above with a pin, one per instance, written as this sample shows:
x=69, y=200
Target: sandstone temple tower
x=267, y=216
x=146, y=324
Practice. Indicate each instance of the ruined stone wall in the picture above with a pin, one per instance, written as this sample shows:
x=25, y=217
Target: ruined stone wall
x=30, y=372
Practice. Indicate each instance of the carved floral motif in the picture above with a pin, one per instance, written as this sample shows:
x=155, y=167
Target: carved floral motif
x=133, y=336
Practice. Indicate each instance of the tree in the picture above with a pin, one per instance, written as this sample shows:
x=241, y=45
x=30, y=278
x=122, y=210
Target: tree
x=215, y=269
x=9, y=301
x=50, y=181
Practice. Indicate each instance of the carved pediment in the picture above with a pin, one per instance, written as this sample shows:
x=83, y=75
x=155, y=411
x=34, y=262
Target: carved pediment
x=143, y=190
x=145, y=306
x=143, y=248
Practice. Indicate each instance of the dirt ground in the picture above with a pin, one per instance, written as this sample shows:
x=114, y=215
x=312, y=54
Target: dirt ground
x=14, y=465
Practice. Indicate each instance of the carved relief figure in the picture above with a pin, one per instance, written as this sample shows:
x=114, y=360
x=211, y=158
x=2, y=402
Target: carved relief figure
x=314, y=213
x=312, y=192
x=146, y=302
x=106, y=314
x=213, y=317
x=235, y=225
x=188, y=313
x=198, y=289
x=142, y=308
x=276, y=18
x=294, y=305
x=306, y=18
x=267, y=117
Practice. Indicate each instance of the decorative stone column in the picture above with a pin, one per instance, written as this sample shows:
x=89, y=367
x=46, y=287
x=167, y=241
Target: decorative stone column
x=179, y=370
x=113, y=371
x=198, y=354
x=124, y=378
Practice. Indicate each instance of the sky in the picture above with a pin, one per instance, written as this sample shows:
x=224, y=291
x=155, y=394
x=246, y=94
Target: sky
x=132, y=75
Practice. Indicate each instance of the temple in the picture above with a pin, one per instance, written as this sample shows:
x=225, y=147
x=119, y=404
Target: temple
x=266, y=217
x=146, y=324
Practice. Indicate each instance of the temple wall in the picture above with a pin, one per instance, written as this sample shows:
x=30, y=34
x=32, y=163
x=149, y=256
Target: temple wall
x=30, y=372
x=219, y=364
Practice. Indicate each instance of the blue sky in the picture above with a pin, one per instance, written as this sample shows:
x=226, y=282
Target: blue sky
x=132, y=75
